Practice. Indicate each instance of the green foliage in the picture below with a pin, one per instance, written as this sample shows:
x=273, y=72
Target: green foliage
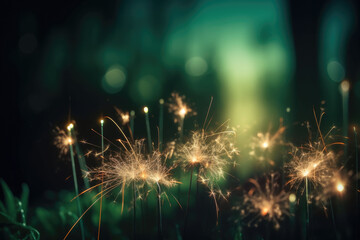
x=12, y=215
x=57, y=219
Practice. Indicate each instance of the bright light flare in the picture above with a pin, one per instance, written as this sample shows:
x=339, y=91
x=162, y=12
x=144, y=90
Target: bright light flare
x=340, y=187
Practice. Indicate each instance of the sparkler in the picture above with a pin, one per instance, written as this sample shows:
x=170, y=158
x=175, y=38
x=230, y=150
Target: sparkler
x=264, y=143
x=146, y=111
x=345, y=87
x=269, y=203
x=102, y=179
x=132, y=167
x=62, y=141
x=314, y=165
x=70, y=127
x=180, y=109
x=210, y=153
x=132, y=117
x=161, y=123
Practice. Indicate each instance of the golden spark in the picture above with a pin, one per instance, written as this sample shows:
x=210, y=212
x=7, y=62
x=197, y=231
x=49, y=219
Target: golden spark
x=265, y=201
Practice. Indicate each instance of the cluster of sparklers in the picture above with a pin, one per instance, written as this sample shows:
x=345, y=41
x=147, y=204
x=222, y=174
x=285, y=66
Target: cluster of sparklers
x=313, y=169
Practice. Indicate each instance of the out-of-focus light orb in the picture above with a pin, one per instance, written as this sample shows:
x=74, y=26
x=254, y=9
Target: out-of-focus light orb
x=292, y=197
x=340, y=187
x=102, y=121
x=148, y=88
x=196, y=66
x=114, y=79
x=146, y=109
x=132, y=113
x=27, y=43
x=335, y=71
x=161, y=101
x=288, y=109
x=265, y=145
x=345, y=86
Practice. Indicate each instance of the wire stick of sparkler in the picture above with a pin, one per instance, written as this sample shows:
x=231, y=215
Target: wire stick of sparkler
x=161, y=124
x=333, y=218
x=70, y=127
x=134, y=211
x=132, y=117
x=82, y=163
x=102, y=178
x=146, y=111
x=188, y=202
x=345, y=87
x=160, y=231
x=307, y=206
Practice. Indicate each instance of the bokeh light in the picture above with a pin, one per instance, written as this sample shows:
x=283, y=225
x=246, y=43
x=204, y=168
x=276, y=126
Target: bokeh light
x=114, y=79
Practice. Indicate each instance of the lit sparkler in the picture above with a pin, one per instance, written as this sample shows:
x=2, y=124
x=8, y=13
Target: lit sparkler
x=62, y=141
x=180, y=109
x=210, y=153
x=263, y=144
x=269, y=203
x=124, y=117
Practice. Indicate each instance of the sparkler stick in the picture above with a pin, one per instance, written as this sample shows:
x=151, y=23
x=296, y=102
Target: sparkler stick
x=160, y=235
x=70, y=127
x=182, y=127
x=102, y=178
x=345, y=86
x=132, y=117
x=307, y=206
x=82, y=163
x=134, y=211
x=146, y=111
x=161, y=123
x=188, y=201
x=333, y=217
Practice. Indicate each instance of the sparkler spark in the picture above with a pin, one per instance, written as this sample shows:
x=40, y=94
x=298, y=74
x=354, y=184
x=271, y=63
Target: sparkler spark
x=133, y=166
x=211, y=153
x=62, y=141
x=124, y=117
x=269, y=203
x=179, y=108
x=313, y=163
x=263, y=144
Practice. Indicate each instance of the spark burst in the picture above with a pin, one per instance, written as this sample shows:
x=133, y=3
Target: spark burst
x=264, y=143
x=124, y=117
x=315, y=164
x=62, y=141
x=269, y=203
x=179, y=108
x=310, y=162
x=211, y=153
x=133, y=166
